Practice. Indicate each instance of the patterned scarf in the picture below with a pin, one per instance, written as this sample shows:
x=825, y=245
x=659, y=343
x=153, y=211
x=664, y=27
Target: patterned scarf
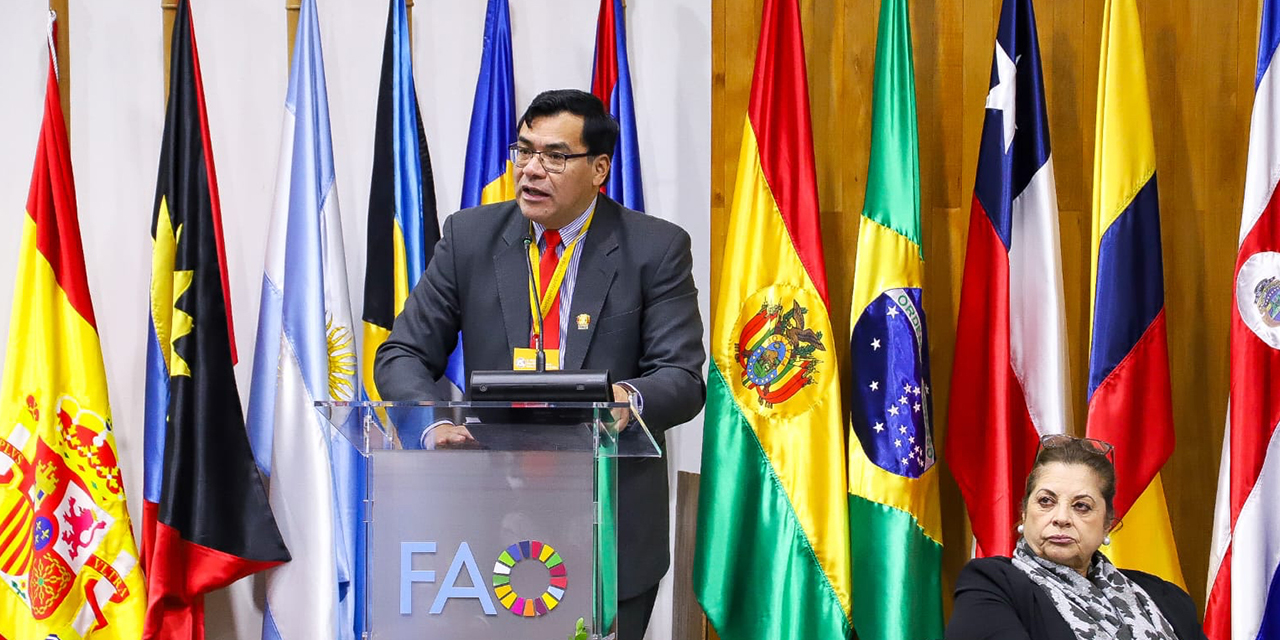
x=1106, y=604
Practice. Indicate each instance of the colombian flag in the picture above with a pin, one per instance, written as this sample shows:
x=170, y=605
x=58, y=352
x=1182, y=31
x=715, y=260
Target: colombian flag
x=206, y=521
x=896, y=525
x=403, y=228
x=67, y=555
x=772, y=558
x=487, y=175
x=1130, y=402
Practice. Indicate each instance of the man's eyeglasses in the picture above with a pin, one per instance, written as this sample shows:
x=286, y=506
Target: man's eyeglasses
x=1058, y=440
x=552, y=161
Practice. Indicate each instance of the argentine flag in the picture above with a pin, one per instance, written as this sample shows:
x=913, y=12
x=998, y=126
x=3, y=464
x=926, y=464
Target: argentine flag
x=305, y=352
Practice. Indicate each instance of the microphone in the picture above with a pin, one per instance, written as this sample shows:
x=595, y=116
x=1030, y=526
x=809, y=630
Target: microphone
x=540, y=360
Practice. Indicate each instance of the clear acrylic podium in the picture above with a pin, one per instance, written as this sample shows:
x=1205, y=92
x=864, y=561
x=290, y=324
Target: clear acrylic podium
x=511, y=538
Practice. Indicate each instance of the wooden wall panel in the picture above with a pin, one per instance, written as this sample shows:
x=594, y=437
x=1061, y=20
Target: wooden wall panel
x=1200, y=65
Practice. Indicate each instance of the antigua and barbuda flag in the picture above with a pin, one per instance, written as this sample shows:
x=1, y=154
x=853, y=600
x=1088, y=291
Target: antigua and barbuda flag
x=68, y=561
x=403, y=228
x=1130, y=401
x=206, y=521
x=1009, y=384
x=895, y=520
x=1244, y=596
x=488, y=175
x=611, y=82
x=305, y=353
x=772, y=557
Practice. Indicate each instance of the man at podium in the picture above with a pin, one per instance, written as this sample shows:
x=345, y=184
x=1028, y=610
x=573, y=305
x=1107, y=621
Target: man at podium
x=615, y=291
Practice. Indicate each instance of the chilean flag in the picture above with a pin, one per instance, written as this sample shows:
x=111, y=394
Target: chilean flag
x=1244, y=596
x=611, y=82
x=1010, y=376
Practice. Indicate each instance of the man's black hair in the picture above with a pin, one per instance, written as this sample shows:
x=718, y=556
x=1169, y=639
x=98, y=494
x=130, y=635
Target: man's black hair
x=599, y=129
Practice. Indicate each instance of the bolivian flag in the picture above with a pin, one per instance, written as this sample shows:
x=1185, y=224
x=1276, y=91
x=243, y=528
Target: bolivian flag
x=1130, y=401
x=895, y=521
x=68, y=560
x=772, y=556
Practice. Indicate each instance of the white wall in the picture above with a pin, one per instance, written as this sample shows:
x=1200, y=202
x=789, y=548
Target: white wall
x=117, y=115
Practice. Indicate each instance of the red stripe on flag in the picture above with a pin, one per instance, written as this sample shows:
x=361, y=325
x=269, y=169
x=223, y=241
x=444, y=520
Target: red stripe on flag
x=779, y=115
x=1255, y=375
x=214, y=201
x=1133, y=410
x=991, y=440
x=51, y=203
x=176, y=568
x=605, y=75
x=1217, y=611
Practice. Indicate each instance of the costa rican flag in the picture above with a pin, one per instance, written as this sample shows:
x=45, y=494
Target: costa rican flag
x=1010, y=376
x=1244, y=597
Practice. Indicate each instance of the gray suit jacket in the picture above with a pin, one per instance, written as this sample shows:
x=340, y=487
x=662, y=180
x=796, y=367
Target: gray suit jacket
x=635, y=280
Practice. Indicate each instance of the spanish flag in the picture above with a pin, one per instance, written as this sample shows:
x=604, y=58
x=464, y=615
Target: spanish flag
x=896, y=524
x=772, y=559
x=67, y=555
x=1130, y=401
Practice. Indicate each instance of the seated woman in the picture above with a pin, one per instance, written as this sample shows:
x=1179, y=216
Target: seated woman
x=1057, y=585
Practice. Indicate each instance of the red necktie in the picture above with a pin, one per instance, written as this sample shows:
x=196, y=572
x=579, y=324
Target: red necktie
x=547, y=268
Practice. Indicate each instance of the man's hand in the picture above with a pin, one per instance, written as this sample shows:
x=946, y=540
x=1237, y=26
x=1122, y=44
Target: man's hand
x=452, y=436
x=621, y=417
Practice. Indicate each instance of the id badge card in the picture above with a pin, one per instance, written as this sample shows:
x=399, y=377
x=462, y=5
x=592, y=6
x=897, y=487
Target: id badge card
x=526, y=359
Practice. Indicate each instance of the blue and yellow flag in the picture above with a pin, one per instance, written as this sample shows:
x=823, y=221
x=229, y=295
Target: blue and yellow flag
x=895, y=522
x=403, y=228
x=487, y=175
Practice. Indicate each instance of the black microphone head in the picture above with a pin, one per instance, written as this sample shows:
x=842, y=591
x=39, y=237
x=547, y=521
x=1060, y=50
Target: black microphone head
x=528, y=240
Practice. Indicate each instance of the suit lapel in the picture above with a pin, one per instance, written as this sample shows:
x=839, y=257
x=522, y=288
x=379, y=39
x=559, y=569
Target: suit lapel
x=510, y=264
x=595, y=276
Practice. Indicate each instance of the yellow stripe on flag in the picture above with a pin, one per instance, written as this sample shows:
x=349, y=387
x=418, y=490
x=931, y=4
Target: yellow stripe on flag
x=1145, y=541
x=501, y=189
x=53, y=364
x=761, y=267
x=1125, y=153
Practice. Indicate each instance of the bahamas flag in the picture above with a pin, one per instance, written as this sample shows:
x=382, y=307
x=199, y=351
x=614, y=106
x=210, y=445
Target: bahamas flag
x=772, y=559
x=896, y=525
x=67, y=555
x=403, y=229
x=611, y=82
x=305, y=352
x=1130, y=401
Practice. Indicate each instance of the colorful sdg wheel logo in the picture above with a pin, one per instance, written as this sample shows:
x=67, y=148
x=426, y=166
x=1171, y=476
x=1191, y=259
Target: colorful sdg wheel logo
x=529, y=607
